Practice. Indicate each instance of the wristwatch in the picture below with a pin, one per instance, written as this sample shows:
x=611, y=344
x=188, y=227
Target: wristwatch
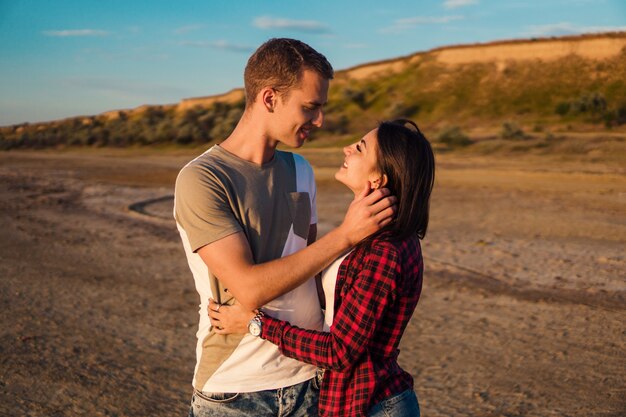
x=256, y=324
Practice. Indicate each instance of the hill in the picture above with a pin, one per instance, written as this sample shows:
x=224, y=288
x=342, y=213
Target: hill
x=510, y=90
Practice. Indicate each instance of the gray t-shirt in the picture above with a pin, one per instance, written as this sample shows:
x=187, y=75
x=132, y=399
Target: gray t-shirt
x=218, y=194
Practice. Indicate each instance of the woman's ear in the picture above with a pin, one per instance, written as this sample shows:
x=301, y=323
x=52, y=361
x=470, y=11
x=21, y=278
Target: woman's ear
x=268, y=98
x=383, y=180
x=379, y=182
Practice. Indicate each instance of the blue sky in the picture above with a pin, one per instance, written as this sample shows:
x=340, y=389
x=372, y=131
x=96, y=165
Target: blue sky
x=66, y=58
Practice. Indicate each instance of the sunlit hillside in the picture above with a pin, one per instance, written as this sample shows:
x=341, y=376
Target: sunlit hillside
x=524, y=91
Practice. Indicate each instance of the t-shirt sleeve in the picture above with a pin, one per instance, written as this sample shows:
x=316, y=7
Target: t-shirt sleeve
x=202, y=207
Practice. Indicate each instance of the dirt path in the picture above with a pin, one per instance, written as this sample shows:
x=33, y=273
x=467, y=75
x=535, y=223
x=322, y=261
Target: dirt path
x=522, y=312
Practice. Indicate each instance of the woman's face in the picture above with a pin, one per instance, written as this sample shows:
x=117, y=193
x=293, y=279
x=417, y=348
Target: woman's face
x=361, y=164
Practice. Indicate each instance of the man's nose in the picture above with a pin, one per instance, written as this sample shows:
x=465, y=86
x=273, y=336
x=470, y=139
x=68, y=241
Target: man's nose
x=319, y=119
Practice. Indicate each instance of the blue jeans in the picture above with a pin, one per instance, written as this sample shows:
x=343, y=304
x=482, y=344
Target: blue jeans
x=298, y=400
x=401, y=405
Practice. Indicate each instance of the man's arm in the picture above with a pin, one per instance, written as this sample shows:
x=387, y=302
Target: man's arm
x=254, y=285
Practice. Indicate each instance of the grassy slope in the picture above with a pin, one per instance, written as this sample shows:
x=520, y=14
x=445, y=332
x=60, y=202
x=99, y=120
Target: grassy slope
x=482, y=94
x=551, y=102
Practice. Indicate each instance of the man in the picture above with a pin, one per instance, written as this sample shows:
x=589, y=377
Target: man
x=246, y=213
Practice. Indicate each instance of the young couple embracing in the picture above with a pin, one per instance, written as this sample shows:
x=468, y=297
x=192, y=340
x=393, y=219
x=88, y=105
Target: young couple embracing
x=267, y=344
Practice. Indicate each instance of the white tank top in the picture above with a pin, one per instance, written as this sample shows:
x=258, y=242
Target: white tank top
x=329, y=281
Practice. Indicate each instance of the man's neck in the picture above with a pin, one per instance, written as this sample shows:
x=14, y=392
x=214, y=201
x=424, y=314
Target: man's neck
x=249, y=142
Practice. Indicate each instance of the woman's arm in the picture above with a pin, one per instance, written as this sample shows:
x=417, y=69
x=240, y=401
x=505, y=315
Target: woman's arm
x=355, y=323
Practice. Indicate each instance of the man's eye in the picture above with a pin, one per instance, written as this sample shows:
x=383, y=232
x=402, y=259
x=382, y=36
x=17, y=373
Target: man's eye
x=358, y=147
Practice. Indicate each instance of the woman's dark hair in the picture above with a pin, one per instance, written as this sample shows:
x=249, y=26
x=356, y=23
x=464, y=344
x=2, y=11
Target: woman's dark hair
x=406, y=158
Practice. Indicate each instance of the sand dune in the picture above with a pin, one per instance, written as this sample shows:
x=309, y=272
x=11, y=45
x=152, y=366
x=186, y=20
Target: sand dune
x=590, y=47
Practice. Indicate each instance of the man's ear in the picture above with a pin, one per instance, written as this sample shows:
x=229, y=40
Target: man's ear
x=268, y=98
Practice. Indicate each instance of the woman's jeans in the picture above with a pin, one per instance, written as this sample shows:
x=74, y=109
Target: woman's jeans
x=401, y=405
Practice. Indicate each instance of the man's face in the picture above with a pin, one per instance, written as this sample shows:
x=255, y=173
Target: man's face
x=301, y=111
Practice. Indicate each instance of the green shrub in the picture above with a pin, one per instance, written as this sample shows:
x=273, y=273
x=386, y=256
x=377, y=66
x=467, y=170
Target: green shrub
x=454, y=137
x=359, y=97
x=562, y=108
x=615, y=117
x=338, y=124
x=594, y=103
x=511, y=130
x=403, y=109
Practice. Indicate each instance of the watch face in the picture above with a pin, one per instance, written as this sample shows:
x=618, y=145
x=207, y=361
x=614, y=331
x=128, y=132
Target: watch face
x=255, y=328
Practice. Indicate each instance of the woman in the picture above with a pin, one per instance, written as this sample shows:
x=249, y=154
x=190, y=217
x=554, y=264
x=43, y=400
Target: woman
x=370, y=293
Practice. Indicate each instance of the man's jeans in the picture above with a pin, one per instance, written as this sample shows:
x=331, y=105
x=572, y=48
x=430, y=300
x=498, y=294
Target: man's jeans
x=295, y=401
x=402, y=405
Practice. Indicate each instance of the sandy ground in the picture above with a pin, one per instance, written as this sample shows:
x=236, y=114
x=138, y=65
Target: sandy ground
x=522, y=312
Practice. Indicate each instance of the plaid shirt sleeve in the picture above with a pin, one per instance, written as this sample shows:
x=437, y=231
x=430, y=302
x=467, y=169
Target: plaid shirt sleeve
x=356, y=321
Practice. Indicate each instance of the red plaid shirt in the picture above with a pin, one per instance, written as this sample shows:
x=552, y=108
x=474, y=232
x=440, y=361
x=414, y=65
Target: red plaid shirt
x=378, y=286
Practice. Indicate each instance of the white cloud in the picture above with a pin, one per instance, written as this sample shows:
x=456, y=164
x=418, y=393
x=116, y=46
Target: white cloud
x=115, y=55
x=310, y=26
x=188, y=28
x=422, y=20
x=355, y=45
x=135, y=90
x=75, y=32
x=566, y=28
x=401, y=25
x=453, y=4
x=220, y=44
